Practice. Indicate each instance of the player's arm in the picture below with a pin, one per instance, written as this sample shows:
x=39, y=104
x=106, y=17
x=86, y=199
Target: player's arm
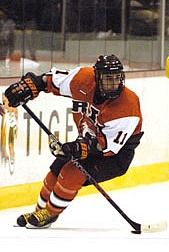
x=28, y=88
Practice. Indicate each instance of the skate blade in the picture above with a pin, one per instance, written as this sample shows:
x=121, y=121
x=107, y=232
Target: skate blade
x=30, y=226
x=16, y=225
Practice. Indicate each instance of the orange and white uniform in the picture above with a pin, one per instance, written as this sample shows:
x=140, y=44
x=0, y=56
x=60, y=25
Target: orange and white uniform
x=118, y=125
x=117, y=119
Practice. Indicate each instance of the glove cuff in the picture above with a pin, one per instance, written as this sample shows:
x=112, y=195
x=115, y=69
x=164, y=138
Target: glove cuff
x=50, y=87
x=38, y=81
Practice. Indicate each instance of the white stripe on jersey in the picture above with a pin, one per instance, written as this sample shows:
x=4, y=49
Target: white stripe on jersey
x=62, y=80
x=118, y=131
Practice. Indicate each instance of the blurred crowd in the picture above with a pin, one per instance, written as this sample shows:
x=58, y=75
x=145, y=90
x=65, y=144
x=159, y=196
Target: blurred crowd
x=102, y=17
x=7, y=27
x=81, y=15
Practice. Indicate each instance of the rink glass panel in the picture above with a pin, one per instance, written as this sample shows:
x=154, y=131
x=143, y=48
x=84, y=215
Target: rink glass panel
x=70, y=33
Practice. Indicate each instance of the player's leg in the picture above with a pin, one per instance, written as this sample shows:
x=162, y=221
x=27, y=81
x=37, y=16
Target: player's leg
x=69, y=182
x=46, y=189
x=44, y=195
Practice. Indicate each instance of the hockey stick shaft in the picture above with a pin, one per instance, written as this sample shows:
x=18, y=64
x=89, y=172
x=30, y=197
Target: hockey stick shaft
x=135, y=225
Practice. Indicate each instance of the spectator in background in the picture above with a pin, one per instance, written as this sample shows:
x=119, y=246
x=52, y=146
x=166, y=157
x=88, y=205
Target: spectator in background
x=7, y=27
x=72, y=18
x=90, y=16
x=101, y=26
x=51, y=16
x=113, y=14
x=30, y=26
x=30, y=36
x=87, y=15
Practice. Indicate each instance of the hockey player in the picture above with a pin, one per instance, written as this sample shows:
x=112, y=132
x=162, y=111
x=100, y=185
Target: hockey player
x=109, y=121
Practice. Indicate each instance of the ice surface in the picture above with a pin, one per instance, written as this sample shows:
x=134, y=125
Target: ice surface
x=90, y=223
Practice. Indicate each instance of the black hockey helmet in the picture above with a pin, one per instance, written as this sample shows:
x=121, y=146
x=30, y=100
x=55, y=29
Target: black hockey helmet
x=110, y=77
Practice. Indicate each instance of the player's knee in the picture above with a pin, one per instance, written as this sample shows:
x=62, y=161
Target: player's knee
x=58, y=163
x=69, y=181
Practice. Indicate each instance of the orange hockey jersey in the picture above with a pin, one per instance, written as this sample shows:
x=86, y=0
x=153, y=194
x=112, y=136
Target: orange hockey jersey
x=116, y=120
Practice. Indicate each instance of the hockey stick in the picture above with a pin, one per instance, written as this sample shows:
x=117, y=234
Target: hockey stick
x=138, y=228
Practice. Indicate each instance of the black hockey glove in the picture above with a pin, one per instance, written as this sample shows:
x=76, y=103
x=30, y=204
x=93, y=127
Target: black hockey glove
x=26, y=89
x=81, y=148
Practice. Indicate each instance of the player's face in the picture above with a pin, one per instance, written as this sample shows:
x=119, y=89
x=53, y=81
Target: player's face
x=110, y=82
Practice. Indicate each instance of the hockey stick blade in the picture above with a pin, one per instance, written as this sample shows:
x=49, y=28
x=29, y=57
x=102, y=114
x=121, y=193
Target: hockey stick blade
x=156, y=227
x=138, y=228
x=151, y=228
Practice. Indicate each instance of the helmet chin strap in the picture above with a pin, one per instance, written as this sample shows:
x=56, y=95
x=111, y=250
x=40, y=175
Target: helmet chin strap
x=98, y=99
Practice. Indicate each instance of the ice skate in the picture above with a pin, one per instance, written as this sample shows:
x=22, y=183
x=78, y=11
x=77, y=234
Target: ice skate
x=41, y=219
x=22, y=220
